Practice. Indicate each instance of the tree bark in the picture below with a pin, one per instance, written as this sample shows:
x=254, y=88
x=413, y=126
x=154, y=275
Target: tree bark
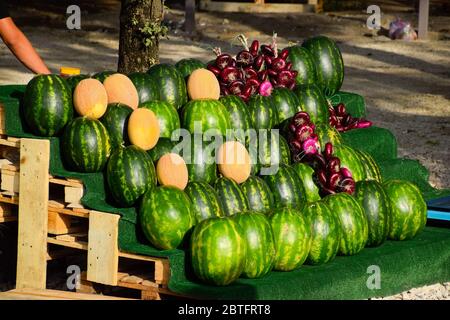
x=134, y=55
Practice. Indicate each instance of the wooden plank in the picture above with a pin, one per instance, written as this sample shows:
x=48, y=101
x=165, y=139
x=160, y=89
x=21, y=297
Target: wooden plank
x=103, y=253
x=11, y=200
x=58, y=223
x=33, y=210
x=2, y=119
x=76, y=245
x=162, y=272
x=7, y=210
x=7, y=219
x=82, y=213
x=139, y=257
x=10, y=182
x=255, y=8
x=424, y=7
x=5, y=142
x=57, y=295
x=71, y=237
x=67, y=183
x=73, y=195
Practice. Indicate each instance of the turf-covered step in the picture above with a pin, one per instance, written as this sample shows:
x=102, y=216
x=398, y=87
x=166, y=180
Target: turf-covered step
x=354, y=103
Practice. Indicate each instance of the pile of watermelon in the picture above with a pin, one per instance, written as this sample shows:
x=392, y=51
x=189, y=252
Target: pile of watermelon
x=274, y=203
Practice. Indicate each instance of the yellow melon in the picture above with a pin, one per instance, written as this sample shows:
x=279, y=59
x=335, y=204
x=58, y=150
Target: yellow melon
x=90, y=98
x=171, y=170
x=203, y=84
x=120, y=89
x=143, y=128
x=233, y=161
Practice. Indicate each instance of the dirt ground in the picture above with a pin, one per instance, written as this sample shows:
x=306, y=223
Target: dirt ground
x=406, y=84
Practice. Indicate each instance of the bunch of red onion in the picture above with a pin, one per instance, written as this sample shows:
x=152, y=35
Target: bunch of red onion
x=302, y=140
x=343, y=121
x=254, y=70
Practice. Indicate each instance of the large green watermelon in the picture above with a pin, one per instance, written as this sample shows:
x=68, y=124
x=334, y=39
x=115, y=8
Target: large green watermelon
x=187, y=66
x=239, y=114
x=312, y=101
x=231, y=197
x=85, y=145
x=328, y=63
x=371, y=168
x=262, y=112
x=349, y=159
x=167, y=117
x=286, y=187
x=163, y=147
x=292, y=235
x=73, y=81
x=375, y=203
x=129, y=174
x=115, y=121
x=171, y=84
x=408, y=209
x=47, y=104
x=102, y=75
x=200, y=159
x=353, y=222
x=258, y=235
x=286, y=103
x=326, y=233
x=218, y=251
x=166, y=216
x=200, y=116
x=306, y=173
x=303, y=63
x=268, y=151
x=327, y=133
x=146, y=86
x=205, y=202
x=259, y=196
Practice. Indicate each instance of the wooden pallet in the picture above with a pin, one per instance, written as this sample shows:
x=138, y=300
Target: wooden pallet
x=260, y=6
x=38, y=294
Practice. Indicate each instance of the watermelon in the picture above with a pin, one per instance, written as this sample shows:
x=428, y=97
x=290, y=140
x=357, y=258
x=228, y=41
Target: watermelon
x=258, y=194
x=171, y=84
x=312, y=101
x=328, y=63
x=218, y=251
x=303, y=63
x=101, y=76
x=326, y=233
x=47, y=105
x=292, y=235
x=408, y=209
x=286, y=103
x=375, y=203
x=239, y=116
x=167, y=117
x=349, y=159
x=272, y=150
x=306, y=174
x=371, y=168
x=163, y=146
x=206, y=116
x=262, y=112
x=129, y=174
x=231, y=197
x=354, y=225
x=258, y=235
x=200, y=159
x=146, y=87
x=85, y=145
x=115, y=121
x=72, y=81
x=286, y=187
x=187, y=66
x=327, y=133
x=165, y=214
x=205, y=202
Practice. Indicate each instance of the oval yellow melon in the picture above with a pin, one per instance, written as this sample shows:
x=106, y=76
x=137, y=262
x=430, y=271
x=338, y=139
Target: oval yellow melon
x=171, y=170
x=120, y=89
x=143, y=128
x=233, y=161
x=203, y=84
x=90, y=98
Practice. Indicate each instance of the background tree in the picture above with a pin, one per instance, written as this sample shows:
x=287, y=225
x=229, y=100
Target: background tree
x=140, y=31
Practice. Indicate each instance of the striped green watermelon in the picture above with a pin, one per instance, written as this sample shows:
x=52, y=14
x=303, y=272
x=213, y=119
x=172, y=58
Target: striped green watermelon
x=239, y=116
x=292, y=235
x=312, y=101
x=146, y=86
x=187, y=66
x=231, y=197
x=262, y=112
x=129, y=174
x=258, y=235
x=306, y=173
x=327, y=133
x=375, y=203
x=328, y=63
x=353, y=221
x=201, y=116
x=167, y=117
x=101, y=76
x=218, y=251
x=349, y=159
x=171, y=84
x=286, y=103
x=166, y=216
x=286, y=187
x=258, y=194
x=72, y=81
x=47, y=104
x=270, y=150
x=408, y=209
x=200, y=159
x=326, y=233
x=205, y=202
x=85, y=145
x=303, y=63
x=371, y=168
x=115, y=121
x=163, y=146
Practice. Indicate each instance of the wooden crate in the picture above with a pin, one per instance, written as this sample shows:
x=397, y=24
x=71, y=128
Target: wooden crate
x=261, y=6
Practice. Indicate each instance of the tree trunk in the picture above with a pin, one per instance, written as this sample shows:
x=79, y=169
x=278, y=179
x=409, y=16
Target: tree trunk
x=134, y=54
